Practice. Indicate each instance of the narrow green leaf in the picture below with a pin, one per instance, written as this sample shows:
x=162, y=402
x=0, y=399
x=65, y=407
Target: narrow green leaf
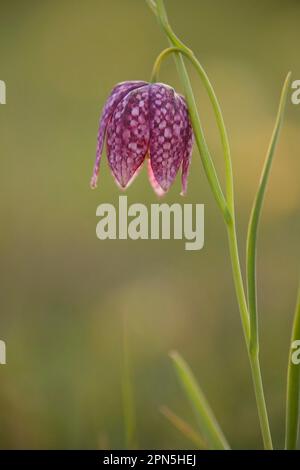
x=255, y=216
x=208, y=424
x=183, y=427
x=293, y=386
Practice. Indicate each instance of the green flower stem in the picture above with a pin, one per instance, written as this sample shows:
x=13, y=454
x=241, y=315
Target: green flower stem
x=227, y=206
x=238, y=280
x=229, y=180
x=252, y=354
x=216, y=107
x=202, y=145
x=260, y=401
x=293, y=388
x=161, y=57
x=255, y=216
x=194, y=116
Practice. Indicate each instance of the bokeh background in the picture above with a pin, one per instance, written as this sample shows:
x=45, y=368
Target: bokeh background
x=65, y=294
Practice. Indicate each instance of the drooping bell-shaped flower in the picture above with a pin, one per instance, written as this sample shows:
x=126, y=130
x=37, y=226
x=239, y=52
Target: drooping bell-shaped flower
x=143, y=120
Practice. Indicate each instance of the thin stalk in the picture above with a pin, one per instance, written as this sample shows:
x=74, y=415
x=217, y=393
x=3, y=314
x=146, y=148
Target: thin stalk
x=216, y=108
x=194, y=115
x=227, y=207
x=252, y=354
x=229, y=179
x=260, y=401
x=238, y=280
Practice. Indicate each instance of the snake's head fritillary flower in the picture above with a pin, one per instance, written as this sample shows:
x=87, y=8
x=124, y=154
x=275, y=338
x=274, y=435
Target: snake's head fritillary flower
x=143, y=120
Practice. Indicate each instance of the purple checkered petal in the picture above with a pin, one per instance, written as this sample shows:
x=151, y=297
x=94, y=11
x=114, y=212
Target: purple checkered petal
x=167, y=134
x=142, y=119
x=128, y=135
x=157, y=188
x=188, y=140
x=117, y=94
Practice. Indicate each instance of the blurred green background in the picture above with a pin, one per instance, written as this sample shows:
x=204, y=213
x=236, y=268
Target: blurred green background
x=64, y=293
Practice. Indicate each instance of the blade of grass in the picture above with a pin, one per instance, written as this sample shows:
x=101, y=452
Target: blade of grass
x=254, y=220
x=208, y=424
x=293, y=388
x=182, y=426
x=128, y=395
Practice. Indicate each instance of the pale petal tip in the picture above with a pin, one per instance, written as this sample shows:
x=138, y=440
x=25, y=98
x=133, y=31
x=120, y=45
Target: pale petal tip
x=159, y=191
x=183, y=185
x=93, y=182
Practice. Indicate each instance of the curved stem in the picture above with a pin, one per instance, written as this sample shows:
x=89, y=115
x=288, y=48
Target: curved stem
x=238, y=280
x=260, y=400
x=194, y=115
x=227, y=207
x=252, y=354
x=229, y=180
x=216, y=108
x=163, y=55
